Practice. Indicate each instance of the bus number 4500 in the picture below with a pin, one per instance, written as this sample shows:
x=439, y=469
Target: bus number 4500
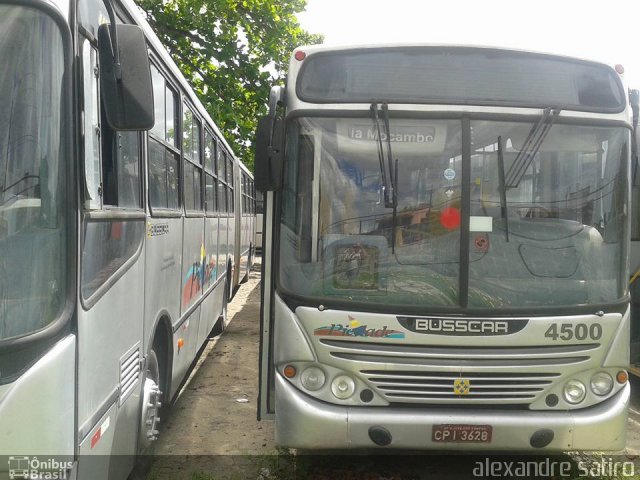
x=579, y=331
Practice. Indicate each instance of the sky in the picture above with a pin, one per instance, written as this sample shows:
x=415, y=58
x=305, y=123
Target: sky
x=603, y=30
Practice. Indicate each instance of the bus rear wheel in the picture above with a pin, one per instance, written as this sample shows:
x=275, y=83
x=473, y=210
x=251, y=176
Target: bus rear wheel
x=221, y=322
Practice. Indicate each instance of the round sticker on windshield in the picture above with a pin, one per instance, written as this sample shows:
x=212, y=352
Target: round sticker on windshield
x=449, y=174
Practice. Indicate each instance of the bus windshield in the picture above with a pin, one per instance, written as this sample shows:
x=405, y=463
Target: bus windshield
x=32, y=223
x=543, y=227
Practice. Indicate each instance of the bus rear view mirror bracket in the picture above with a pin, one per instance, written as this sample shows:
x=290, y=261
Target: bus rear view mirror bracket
x=126, y=87
x=269, y=153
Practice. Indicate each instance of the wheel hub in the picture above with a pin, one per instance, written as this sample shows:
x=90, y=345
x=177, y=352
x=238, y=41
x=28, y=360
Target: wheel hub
x=151, y=404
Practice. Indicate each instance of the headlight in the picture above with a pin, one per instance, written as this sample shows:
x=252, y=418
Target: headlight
x=343, y=387
x=574, y=391
x=601, y=383
x=312, y=378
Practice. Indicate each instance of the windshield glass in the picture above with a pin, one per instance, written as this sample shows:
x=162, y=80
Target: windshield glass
x=556, y=238
x=32, y=227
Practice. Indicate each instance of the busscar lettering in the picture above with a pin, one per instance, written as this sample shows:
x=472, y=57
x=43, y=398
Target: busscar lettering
x=461, y=326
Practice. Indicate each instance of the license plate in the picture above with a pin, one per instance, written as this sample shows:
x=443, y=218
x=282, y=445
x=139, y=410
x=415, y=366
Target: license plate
x=461, y=433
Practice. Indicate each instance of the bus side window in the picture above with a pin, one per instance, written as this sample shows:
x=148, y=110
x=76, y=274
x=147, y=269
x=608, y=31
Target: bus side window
x=210, y=172
x=112, y=159
x=230, y=202
x=164, y=155
x=193, y=160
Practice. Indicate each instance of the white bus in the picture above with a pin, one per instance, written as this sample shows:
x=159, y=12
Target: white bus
x=126, y=222
x=446, y=250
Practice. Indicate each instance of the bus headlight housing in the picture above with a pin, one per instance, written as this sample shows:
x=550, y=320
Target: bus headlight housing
x=601, y=383
x=343, y=387
x=574, y=391
x=312, y=378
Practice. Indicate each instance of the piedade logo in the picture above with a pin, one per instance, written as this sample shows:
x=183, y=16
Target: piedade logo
x=462, y=326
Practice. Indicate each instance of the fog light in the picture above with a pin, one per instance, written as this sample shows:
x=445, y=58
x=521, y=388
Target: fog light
x=574, y=391
x=601, y=383
x=312, y=378
x=343, y=387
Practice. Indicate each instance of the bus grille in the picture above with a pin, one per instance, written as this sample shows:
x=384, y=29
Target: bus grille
x=430, y=374
x=408, y=386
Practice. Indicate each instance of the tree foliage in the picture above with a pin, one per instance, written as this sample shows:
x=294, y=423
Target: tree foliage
x=232, y=52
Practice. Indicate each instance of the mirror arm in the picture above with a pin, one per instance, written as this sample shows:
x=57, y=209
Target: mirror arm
x=117, y=68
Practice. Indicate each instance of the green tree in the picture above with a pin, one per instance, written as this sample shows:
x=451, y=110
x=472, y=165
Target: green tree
x=232, y=52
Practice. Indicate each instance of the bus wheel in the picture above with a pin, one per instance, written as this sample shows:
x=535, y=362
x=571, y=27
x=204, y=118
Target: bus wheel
x=245, y=279
x=151, y=396
x=229, y=290
x=220, y=324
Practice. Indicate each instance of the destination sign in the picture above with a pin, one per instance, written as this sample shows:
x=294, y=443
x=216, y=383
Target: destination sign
x=408, y=137
x=423, y=134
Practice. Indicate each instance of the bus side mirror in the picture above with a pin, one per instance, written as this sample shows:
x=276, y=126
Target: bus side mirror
x=127, y=92
x=269, y=153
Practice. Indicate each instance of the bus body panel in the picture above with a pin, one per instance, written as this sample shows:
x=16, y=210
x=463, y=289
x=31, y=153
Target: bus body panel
x=110, y=335
x=211, y=310
x=193, y=253
x=223, y=245
x=37, y=410
x=163, y=273
x=302, y=422
x=106, y=450
x=185, y=334
x=233, y=250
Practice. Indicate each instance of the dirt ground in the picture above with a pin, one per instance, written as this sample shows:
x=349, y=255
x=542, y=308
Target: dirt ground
x=211, y=431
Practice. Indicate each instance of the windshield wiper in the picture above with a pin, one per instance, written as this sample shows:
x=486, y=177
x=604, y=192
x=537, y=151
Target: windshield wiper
x=503, y=190
x=387, y=186
x=390, y=182
x=530, y=147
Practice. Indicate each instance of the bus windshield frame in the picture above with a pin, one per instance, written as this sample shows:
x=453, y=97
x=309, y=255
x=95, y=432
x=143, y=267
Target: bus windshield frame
x=470, y=223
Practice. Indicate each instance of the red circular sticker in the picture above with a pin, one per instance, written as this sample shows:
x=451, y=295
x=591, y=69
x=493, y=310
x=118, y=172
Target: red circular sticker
x=450, y=218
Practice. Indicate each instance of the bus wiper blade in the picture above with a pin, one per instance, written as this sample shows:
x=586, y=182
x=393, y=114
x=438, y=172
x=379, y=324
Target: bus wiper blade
x=393, y=170
x=390, y=183
x=503, y=190
x=393, y=173
x=531, y=145
x=386, y=187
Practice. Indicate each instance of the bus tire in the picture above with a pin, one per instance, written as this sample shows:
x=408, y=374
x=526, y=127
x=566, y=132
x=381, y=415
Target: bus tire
x=245, y=279
x=229, y=290
x=221, y=322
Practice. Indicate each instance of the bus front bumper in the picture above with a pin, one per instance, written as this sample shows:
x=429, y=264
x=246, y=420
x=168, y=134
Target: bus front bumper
x=306, y=423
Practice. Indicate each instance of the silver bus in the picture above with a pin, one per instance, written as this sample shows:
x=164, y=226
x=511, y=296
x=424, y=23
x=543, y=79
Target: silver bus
x=126, y=222
x=446, y=250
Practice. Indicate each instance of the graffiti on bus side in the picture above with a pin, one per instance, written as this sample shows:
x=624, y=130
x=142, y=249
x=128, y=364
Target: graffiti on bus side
x=201, y=274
